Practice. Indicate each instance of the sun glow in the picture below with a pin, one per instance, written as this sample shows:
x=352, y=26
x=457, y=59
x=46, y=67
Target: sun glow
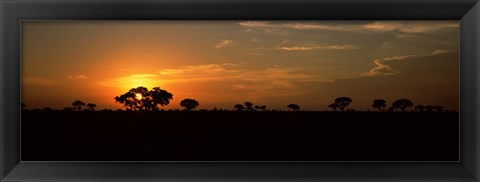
x=138, y=96
x=142, y=82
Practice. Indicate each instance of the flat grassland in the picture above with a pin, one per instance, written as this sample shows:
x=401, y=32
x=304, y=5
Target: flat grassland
x=239, y=136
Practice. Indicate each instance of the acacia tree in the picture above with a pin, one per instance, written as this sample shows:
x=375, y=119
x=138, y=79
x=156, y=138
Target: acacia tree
x=342, y=102
x=239, y=107
x=419, y=108
x=402, y=104
x=429, y=108
x=91, y=106
x=189, y=104
x=438, y=108
x=334, y=106
x=158, y=97
x=142, y=99
x=249, y=106
x=379, y=104
x=78, y=104
x=294, y=107
x=263, y=108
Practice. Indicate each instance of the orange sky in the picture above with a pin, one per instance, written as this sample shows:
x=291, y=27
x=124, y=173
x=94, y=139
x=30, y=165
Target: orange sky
x=222, y=63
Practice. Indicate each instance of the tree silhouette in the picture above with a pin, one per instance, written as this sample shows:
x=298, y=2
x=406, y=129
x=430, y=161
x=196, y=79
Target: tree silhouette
x=159, y=97
x=189, y=104
x=249, y=106
x=391, y=109
x=141, y=99
x=239, y=107
x=379, y=104
x=128, y=100
x=68, y=109
x=78, y=104
x=334, y=106
x=91, y=106
x=342, y=102
x=47, y=109
x=294, y=107
x=429, y=108
x=402, y=104
x=263, y=108
x=438, y=108
x=420, y=108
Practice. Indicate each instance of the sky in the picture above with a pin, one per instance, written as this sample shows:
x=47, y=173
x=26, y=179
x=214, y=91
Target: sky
x=223, y=63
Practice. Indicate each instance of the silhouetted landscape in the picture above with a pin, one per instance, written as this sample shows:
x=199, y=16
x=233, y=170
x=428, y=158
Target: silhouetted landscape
x=286, y=90
x=245, y=133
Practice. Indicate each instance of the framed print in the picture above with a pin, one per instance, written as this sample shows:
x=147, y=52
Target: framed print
x=219, y=90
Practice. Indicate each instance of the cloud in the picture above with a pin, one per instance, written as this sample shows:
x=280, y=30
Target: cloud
x=260, y=51
x=409, y=26
x=255, y=40
x=78, y=77
x=256, y=24
x=298, y=26
x=234, y=73
x=132, y=81
x=379, y=26
x=317, y=47
x=382, y=68
x=39, y=81
x=206, y=69
x=223, y=43
x=318, y=26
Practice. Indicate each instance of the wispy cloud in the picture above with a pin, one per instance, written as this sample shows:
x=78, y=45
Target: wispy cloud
x=77, y=77
x=131, y=81
x=234, y=72
x=39, y=81
x=223, y=43
x=319, y=26
x=409, y=27
x=260, y=51
x=256, y=24
x=298, y=26
x=382, y=26
x=317, y=47
x=255, y=40
x=382, y=68
x=205, y=69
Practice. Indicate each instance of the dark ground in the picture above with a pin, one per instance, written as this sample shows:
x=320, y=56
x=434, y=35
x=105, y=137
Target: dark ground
x=239, y=136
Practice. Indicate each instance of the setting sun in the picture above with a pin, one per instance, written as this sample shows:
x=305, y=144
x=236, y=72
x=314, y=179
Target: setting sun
x=138, y=96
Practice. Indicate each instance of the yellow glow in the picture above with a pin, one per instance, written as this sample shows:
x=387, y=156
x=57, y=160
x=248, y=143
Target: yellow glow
x=144, y=80
x=138, y=96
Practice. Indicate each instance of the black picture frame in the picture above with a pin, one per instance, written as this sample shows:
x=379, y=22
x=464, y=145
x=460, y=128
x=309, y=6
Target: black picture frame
x=12, y=12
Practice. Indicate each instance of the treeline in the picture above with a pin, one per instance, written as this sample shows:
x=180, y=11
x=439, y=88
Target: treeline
x=142, y=99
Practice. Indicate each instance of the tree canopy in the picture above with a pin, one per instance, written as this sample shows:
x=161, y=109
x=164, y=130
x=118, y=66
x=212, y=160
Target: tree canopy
x=294, y=107
x=239, y=107
x=78, y=104
x=342, y=102
x=379, y=104
x=189, y=104
x=142, y=99
x=402, y=104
